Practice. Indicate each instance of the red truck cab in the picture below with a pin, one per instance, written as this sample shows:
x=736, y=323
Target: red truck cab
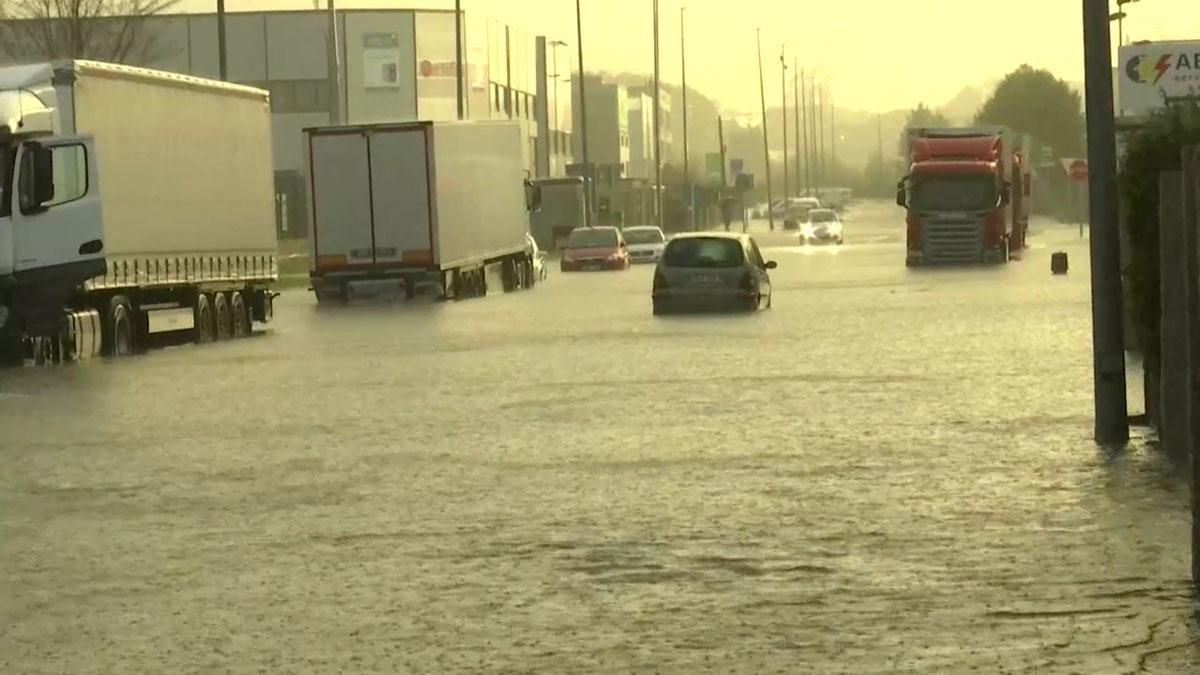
x=960, y=197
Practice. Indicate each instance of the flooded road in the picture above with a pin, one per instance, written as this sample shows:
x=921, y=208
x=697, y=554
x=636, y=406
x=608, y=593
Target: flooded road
x=890, y=471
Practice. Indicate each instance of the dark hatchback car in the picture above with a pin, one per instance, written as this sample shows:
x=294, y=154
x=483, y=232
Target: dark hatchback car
x=712, y=271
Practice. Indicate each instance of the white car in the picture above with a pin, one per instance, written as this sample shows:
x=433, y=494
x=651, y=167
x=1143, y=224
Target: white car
x=538, y=256
x=645, y=243
x=823, y=226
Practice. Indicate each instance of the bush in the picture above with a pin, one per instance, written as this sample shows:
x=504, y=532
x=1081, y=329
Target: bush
x=1150, y=151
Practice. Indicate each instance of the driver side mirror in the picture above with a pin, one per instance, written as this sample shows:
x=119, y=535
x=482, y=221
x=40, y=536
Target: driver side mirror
x=771, y=264
x=901, y=197
x=533, y=197
x=37, y=178
x=1006, y=194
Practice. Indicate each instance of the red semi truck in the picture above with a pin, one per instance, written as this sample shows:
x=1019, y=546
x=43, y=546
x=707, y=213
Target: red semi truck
x=968, y=195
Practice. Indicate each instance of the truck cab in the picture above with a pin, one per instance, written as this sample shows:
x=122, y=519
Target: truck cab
x=959, y=196
x=51, y=229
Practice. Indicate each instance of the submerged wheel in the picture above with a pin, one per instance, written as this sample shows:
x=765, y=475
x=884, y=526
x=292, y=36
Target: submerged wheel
x=241, y=315
x=205, y=330
x=117, y=330
x=223, y=316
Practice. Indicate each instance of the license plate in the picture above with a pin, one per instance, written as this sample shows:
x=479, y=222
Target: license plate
x=704, y=279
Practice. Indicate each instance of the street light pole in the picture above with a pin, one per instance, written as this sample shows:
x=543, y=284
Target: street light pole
x=802, y=103
x=687, y=176
x=458, y=57
x=796, y=118
x=762, y=94
x=583, y=135
x=222, y=60
x=335, y=67
x=832, y=137
x=1108, y=348
x=658, y=201
x=783, y=91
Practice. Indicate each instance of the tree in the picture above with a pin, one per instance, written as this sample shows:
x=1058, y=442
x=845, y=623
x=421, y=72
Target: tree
x=104, y=30
x=924, y=116
x=920, y=116
x=1035, y=102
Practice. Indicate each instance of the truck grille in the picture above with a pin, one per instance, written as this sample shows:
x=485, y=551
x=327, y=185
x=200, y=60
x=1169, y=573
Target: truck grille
x=953, y=240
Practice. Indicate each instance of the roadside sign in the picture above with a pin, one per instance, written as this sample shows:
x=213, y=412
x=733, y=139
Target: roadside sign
x=1152, y=74
x=1076, y=168
x=712, y=165
x=736, y=167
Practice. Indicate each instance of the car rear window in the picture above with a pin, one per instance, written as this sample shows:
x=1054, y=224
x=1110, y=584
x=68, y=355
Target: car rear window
x=592, y=238
x=703, y=252
x=653, y=236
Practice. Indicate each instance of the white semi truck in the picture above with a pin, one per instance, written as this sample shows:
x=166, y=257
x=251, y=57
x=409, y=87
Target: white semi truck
x=132, y=202
x=425, y=208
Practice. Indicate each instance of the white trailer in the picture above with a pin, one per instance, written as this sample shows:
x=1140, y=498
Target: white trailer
x=424, y=207
x=132, y=202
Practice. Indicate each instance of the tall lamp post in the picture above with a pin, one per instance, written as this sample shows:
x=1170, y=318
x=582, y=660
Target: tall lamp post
x=1108, y=348
x=783, y=90
x=687, y=176
x=658, y=200
x=222, y=59
x=762, y=95
x=583, y=138
x=554, y=130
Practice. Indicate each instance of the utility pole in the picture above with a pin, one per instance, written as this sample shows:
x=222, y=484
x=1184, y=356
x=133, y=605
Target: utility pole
x=783, y=95
x=658, y=200
x=821, y=133
x=335, y=66
x=832, y=138
x=812, y=122
x=222, y=60
x=583, y=134
x=458, y=57
x=724, y=181
x=802, y=102
x=879, y=132
x=796, y=118
x=1108, y=345
x=762, y=94
x=687, y=176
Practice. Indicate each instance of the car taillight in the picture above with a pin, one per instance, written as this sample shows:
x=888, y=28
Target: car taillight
x=747, y=281
x=660, y=280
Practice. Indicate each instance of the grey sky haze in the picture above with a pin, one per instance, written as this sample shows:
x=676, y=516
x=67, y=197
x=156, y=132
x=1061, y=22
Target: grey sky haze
x=879, y=54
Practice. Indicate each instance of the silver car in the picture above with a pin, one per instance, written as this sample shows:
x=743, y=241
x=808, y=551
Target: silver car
x=711, y=270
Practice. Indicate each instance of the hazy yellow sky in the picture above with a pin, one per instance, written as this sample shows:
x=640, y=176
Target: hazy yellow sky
x=879, y=54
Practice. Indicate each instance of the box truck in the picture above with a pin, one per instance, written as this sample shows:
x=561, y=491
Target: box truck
x=564, y=208
x=421, y=208
x=132, y=202
x=968, y=195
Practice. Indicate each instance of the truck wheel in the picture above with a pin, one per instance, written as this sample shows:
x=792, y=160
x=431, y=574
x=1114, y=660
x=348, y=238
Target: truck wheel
x=241, y=315
x=205, y=326
x=223, y=316
x=117, y=330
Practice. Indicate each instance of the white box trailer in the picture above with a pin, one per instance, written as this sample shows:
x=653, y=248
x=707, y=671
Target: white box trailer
x=132, y=202
x=421, y=206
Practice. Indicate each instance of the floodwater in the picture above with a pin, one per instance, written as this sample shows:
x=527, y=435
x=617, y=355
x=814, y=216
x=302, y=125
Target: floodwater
x=889, y=471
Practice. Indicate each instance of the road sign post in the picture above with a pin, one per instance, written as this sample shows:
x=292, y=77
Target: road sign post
x=1077, y=170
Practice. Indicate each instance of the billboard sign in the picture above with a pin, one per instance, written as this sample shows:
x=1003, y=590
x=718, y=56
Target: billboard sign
x=1151, y=74
x=381, y=60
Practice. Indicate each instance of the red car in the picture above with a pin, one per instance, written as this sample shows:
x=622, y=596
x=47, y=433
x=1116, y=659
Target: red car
x=595, y=248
